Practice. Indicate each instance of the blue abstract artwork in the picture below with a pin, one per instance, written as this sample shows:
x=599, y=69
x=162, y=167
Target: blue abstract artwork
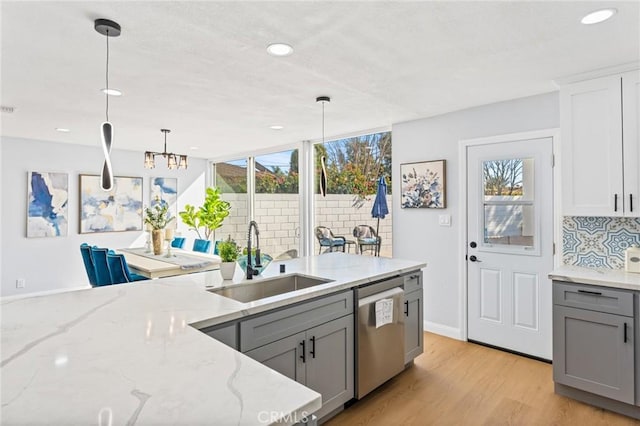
x=47, y=211
x=110, y=211
x=598, y=242
x=165, y=191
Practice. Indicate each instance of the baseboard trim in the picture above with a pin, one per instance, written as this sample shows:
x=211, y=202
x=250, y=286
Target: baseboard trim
x=42, y=293
x=443, y=330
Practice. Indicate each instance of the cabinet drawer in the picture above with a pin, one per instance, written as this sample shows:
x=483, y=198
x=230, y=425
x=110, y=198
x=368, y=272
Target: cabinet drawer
x=412, y=281
x=593, y=298
x=264, y=329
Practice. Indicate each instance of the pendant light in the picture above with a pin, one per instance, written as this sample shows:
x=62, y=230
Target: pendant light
x=323, y=173
x=108, y=29
x=174, y=161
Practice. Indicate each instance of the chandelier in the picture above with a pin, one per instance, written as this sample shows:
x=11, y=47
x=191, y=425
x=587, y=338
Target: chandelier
x=174, y=161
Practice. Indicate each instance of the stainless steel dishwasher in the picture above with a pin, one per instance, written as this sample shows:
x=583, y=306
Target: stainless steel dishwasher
x=380, y=347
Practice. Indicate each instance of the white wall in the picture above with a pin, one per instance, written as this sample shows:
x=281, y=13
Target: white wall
x=416, y=233
x=55, y=263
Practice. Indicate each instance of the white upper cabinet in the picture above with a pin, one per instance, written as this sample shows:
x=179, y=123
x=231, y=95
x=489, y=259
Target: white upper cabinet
x=600, y=147
x=631, y=141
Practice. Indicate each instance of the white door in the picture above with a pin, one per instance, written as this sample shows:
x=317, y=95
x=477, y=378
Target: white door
x=510, y=244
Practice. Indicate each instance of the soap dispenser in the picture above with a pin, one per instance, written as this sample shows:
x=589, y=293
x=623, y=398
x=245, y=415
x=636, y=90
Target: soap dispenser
x=632, y=259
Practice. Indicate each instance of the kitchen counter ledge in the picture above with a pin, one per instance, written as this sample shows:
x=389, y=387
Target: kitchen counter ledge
x=132, y=353
x=615, y=278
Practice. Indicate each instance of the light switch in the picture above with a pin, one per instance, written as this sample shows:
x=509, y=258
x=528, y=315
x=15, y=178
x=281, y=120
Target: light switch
x=444, y=220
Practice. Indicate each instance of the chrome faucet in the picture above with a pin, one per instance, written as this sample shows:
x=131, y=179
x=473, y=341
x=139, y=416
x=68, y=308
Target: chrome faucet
x=250, y=270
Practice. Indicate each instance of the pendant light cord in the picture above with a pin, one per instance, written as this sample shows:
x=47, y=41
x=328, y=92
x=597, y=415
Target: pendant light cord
x=322, y=122
x=107, y=77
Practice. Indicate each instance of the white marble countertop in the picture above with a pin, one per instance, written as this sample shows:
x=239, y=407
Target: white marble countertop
x=616, y=278
x=130, y=353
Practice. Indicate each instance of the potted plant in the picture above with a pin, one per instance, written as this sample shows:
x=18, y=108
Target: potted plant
x=158, y=218
x=228, y=251
x=209, y=216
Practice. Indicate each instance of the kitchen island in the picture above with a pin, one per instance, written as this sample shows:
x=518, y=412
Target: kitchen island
x=133, y=353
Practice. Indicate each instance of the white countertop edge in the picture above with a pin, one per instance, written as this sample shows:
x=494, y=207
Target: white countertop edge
x=299, y=296
x=614, y=278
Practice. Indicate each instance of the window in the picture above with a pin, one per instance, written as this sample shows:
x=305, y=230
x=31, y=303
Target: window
x=353, y=167
x=508, y=202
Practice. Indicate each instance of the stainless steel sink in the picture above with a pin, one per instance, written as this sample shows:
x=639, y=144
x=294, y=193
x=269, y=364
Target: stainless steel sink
x=260, y=289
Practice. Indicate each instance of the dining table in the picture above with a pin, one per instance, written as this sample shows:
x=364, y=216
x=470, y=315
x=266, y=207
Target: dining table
x=178, y=262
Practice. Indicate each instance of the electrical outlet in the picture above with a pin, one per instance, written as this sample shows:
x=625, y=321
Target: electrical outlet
x=21, y=283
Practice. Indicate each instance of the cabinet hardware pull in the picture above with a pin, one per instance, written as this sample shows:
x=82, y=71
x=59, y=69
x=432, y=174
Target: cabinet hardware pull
x=625, y=332
x=313, y=347
x=631, y=202
x=303, y=357
x=597, y=293
x=406, y=308
x=615, y=202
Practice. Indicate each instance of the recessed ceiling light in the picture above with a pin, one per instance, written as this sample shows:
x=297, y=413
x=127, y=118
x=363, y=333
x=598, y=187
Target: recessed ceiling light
x=277, y=127
x=194, y=148
x=111, y=92
x=62, y=129
x=279, y=49
x=598, y=16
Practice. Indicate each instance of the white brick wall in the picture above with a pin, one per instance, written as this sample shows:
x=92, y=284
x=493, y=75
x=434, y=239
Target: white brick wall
x=278, y=216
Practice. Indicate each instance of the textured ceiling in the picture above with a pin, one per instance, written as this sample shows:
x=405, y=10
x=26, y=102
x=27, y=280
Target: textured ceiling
x=201, y=68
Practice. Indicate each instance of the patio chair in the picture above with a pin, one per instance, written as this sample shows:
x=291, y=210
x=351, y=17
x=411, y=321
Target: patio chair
x=367, y=239
x=327, y=239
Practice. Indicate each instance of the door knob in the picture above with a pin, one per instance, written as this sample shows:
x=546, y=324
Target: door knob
x=473, y=244
x=474, y=259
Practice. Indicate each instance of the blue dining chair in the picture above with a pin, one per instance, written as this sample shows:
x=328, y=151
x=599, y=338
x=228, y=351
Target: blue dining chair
x=89, y=266
x=202, y=246
x=103, y=276
x=178, y=242
x=119, y=270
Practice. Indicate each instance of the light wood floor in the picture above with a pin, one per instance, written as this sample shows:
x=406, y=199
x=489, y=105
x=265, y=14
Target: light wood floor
x=460, y=383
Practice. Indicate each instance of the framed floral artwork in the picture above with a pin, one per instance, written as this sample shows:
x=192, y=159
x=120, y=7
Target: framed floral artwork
x=423, y=185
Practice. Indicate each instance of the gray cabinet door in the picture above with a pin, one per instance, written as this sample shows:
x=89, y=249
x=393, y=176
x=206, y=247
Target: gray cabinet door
x=284, y=355
x=413, y=328
x=594, y=352
x=330, y=359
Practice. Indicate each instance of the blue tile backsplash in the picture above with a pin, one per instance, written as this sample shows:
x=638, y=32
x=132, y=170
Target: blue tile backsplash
x=598, y=242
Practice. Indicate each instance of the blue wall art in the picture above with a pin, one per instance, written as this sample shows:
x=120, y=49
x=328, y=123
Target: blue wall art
x=598, y=242
x=165, y=191
x=47, y=212
x=110, y=211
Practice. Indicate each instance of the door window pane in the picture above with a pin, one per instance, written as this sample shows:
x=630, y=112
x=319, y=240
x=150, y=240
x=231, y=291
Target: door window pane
x=231, y=178
x=510, y=179
x=509, y=224
x=509, y=202
x=277, y=204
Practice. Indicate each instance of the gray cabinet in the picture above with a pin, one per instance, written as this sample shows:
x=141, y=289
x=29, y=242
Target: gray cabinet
x=285, y=356
x=593, y=349
x=226, y=333
x=413, y=312
x=330, y=363
x=312, y=343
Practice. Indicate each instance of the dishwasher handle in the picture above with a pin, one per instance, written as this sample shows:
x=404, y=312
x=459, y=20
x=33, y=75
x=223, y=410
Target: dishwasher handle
x=388, y=294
